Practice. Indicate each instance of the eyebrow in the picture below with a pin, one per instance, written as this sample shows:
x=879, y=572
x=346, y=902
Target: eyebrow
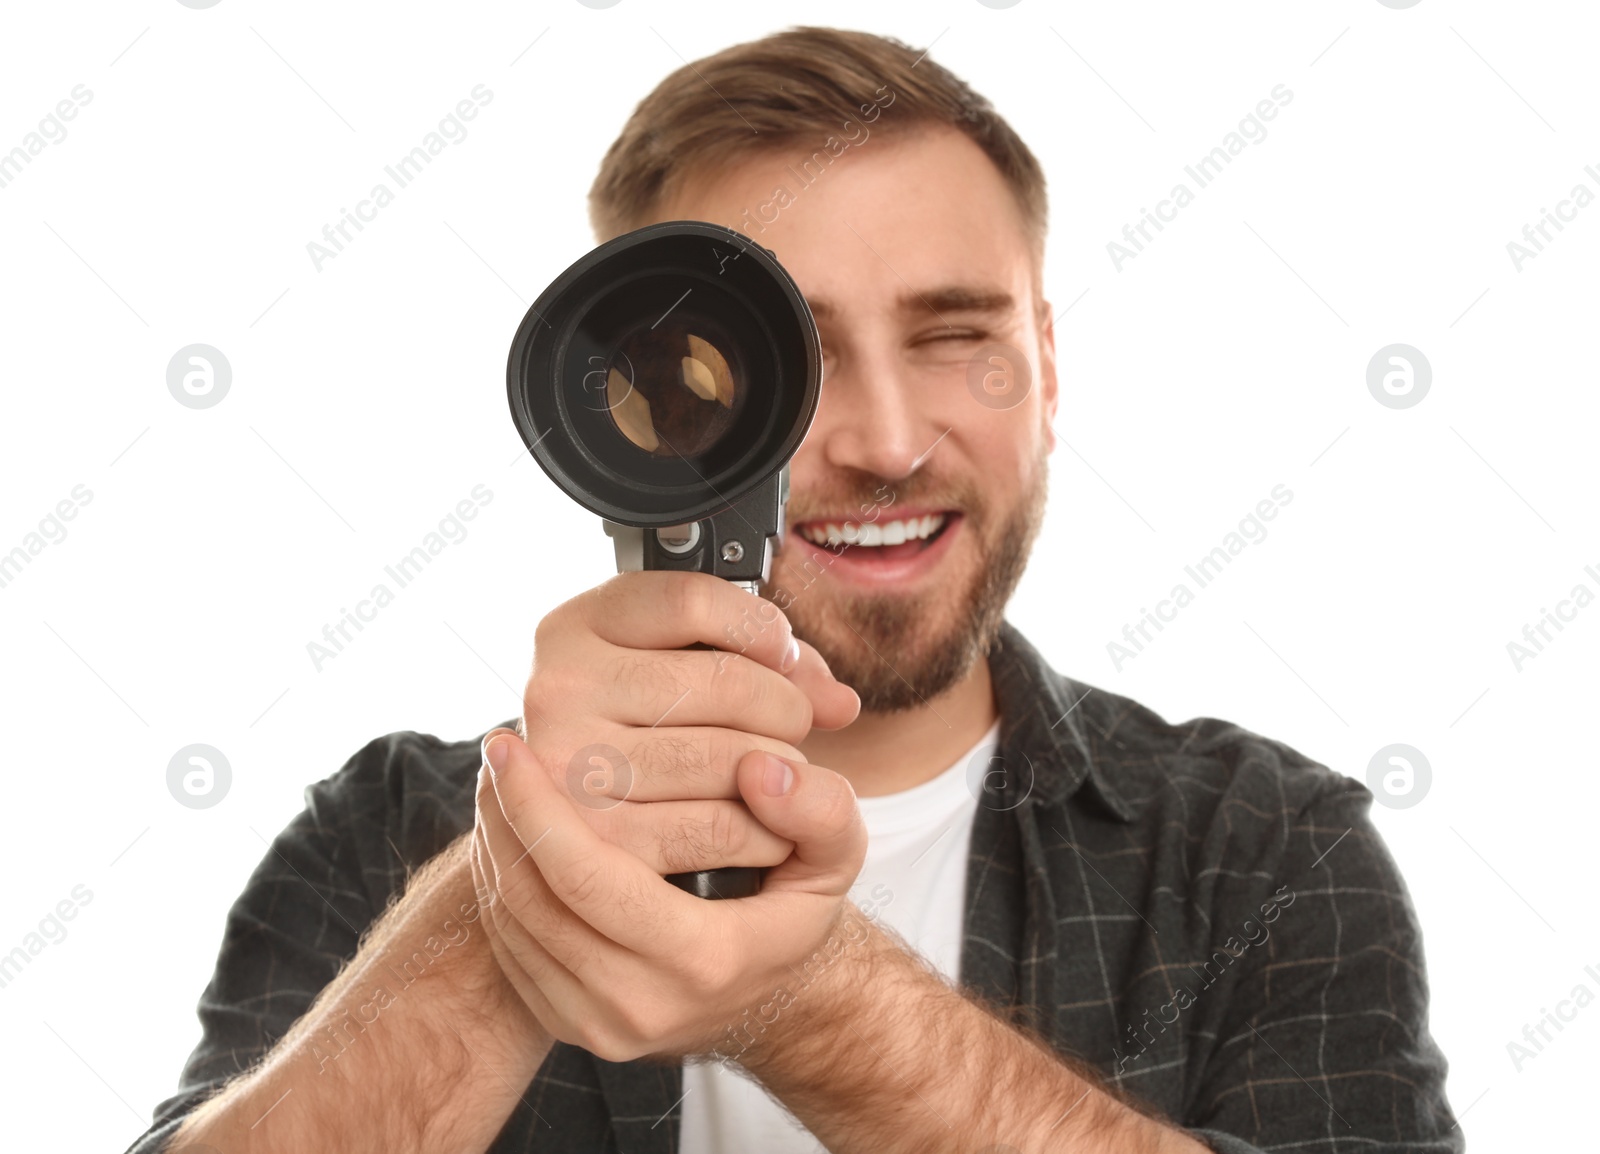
x=949, y=298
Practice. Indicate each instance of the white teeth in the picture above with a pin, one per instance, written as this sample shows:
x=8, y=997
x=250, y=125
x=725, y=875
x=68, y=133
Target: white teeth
x=838, y=533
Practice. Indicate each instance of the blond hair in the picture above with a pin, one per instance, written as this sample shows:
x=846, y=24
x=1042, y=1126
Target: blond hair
x=798, y=85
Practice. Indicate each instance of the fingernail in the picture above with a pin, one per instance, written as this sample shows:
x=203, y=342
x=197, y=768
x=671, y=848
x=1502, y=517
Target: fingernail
x=495, y=751
x=777, y=777
x=791, y=656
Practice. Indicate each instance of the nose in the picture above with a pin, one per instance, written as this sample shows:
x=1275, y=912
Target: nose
x=870, y=418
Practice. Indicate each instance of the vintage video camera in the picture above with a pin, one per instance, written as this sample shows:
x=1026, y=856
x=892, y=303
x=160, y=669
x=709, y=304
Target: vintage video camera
x=664, y=381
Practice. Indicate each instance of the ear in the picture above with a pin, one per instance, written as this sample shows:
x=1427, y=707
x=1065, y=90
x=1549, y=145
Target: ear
x=1049, y=392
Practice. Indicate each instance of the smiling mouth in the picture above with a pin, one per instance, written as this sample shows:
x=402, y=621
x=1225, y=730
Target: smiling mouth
x=885, y=538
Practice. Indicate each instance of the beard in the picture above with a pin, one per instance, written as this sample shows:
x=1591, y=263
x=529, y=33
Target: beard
x=896, y=650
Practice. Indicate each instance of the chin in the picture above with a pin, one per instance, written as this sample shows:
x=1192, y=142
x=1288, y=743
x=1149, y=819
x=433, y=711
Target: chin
x=897, y=648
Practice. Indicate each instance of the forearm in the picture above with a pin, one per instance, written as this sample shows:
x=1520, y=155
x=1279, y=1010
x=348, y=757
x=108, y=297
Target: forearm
x=418, y=1045
x=887, y=1059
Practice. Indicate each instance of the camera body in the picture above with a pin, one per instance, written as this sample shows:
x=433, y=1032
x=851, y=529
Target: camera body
x=663, y=381
x=736, y=544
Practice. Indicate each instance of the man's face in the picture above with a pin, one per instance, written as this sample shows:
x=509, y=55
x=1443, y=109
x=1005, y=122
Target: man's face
x=912, y=256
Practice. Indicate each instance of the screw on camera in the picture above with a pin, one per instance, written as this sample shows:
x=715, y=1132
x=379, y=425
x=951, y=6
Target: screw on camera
x=199, y=776
x=999, y=376
x=1398, y=376
x=599, y=776
x=1399, y=776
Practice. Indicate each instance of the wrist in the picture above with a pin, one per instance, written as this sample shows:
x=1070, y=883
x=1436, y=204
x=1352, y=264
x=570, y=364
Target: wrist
x=488, y=1010
x=819, y=994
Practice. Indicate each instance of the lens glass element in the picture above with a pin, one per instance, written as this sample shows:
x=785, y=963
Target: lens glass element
x=670, y=390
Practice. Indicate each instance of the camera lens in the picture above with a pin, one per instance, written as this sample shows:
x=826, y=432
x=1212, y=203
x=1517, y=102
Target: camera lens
x=666, y=374
x=670, y=390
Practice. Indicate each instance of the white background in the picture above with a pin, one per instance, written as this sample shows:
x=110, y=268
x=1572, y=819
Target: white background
x=368, y=399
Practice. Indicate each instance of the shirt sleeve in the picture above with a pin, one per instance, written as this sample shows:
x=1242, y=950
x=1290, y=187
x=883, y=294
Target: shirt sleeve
x=287, y=935
x=1324, y=1045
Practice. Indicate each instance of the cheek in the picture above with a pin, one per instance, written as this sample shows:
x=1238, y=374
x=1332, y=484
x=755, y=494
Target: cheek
x=1004, y=455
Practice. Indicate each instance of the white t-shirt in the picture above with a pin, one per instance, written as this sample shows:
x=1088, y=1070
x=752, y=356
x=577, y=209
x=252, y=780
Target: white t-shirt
x=913, y=879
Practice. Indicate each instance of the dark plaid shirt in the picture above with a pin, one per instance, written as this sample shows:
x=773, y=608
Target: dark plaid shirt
x=1206, y=916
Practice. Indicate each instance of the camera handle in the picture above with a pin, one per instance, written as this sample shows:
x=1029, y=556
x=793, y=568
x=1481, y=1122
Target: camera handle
x=736, y=545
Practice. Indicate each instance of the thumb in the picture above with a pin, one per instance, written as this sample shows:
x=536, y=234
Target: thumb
x=813, y=807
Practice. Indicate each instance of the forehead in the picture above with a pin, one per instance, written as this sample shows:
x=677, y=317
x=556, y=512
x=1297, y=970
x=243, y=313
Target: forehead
x=879, y=227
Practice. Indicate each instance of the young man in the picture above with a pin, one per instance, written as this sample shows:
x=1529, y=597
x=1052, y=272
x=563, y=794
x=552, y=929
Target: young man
x=1006, y=911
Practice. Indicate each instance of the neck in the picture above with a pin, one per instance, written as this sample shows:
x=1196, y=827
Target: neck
x=882, y=753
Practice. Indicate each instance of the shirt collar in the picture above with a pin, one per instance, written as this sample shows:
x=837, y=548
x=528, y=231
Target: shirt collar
x=1050, y=726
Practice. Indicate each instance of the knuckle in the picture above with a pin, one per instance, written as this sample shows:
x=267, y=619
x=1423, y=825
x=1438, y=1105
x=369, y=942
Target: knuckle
x=640, y=1020
x=582, y=881
x=784, y=710
x=746, y=689
x=838, y=806
x=705, y=841
x=681, y=850
x=797, y=723
x=602, y=1041
x=670, y=759
x=551, y=683
x=726, y=835
x=763, y=701
x=691, y=596
x=554, y=624
x=759, y=624
x=637, y=1017
x=709, y=969
x=649, y=673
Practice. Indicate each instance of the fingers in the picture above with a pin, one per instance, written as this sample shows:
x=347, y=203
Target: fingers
x=814, y=808
x=617, y=652
x=612, y=891
x=669, y=610
x=834, y=704
x=674, y=837
x=692, y=687
x=673, y=800
x=519, y=888
x=550, y=990
x=523, y=961
x=667, y=763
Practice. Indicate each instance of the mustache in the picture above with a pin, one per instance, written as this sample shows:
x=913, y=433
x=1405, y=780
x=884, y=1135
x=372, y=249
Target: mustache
x=868, y=497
